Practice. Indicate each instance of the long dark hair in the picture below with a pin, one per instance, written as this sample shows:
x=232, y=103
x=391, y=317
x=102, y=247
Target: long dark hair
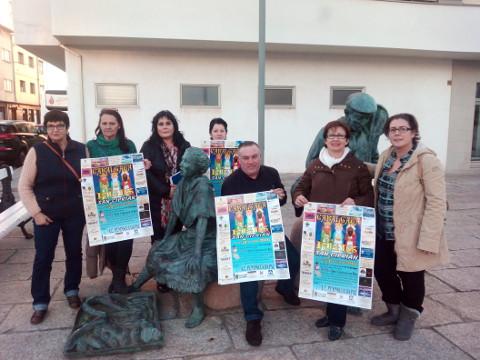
x=122, y=140
x=178, y=138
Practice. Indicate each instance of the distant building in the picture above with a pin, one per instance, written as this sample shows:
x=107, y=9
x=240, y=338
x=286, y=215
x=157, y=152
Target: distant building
x=198, y=59
x=21, y=80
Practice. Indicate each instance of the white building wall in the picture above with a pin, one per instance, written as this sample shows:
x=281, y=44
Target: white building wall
x=411, y=85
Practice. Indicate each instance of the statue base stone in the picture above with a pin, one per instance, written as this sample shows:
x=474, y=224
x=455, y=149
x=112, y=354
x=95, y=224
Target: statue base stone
x=222, y=297
x=113, y=323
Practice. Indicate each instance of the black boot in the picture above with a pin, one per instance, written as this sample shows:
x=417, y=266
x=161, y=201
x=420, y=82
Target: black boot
x=118, y=285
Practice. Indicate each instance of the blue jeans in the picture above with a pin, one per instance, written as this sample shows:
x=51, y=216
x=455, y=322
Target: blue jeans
x=249, y=290
x=46, y=238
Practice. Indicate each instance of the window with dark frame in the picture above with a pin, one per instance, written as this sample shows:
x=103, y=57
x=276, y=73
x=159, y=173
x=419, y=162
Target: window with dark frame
x=23, y=86
x=116, y=95
x=339, y=94
x=32, y=88
x=8, y=85
x=200, y=95
x=280, y=96
x=30, y=62
x=21, y=59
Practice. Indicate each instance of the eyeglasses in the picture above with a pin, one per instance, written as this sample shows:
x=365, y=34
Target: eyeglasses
x=58, y=127
x=401, y=130
x=336, y=137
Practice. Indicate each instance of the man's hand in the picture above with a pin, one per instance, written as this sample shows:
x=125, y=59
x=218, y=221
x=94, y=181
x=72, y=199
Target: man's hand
x=301, y=201
x=280, y=193
x=41, y=219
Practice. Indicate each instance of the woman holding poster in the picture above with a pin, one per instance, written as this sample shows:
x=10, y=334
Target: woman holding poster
x=336, y=177
x=110, y=140
x=411, y=208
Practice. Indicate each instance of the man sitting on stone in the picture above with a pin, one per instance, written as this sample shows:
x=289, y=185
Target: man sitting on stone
x=254, y=177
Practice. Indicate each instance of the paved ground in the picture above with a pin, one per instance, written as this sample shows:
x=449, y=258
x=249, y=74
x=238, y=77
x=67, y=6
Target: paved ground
x=448, y=328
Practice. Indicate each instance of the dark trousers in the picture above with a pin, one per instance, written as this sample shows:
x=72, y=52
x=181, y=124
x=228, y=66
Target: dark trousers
x=397, y=287
x=249, y=290
x=119, y=253
x=337, y=314
x=46, y=238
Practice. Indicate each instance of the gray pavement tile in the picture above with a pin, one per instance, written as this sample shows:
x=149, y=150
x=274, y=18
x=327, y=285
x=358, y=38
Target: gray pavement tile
x=465, y=336
x=88, y=287
x=463, y=241
x=464, y=279
x=140, y=249
x=425, y=344
x=274, y=301
x=6, y=254
x=436, y=286
x=279, y=328
x=15, y=272
x=210, y=337
x=16, y=242
x=59, y=316
x=18, y=292
x=41, y=345
x=465, y=258
x=4, y=309
x=283, y=353
x=465, y=304
x=26, y=256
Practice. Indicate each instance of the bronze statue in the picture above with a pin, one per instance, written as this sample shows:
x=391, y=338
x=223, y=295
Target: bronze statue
x=366, y=119
x=185, y=259
x=114, y=323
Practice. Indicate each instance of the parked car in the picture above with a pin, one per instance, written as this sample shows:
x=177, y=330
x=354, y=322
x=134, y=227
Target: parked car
x=16, y=138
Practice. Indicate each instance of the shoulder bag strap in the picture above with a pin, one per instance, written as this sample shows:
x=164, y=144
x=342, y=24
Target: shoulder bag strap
x=65, y=162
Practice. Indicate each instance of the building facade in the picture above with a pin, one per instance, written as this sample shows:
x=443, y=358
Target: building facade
x=199, y=60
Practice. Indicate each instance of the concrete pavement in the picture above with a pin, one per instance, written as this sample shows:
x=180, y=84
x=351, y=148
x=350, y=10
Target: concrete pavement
x=448, y=328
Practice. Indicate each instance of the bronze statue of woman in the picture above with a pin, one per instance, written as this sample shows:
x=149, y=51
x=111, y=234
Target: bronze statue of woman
x=185, y=260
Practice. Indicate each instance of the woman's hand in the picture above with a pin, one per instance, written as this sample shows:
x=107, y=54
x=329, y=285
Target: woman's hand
x=172, y=190
x=301, y=201
x=147, y=163
x=348, y=201
x=41, y=219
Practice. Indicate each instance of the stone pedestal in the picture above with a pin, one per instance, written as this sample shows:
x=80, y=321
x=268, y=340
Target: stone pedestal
x=221, y=297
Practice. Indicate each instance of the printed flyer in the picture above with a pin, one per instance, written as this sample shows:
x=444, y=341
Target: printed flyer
x=338, y=248
x=223, y=161
x=250, y=238
x=115, y=198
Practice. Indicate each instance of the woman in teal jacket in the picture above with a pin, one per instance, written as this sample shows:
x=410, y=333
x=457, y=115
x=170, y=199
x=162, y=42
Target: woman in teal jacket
x=111, y=141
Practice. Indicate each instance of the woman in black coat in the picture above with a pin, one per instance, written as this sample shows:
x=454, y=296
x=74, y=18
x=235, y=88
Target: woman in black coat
x=164, y=149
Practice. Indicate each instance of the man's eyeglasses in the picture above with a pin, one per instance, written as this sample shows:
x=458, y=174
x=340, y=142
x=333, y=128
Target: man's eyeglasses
x=336, y=137
x=401, y=130
x=58, y=127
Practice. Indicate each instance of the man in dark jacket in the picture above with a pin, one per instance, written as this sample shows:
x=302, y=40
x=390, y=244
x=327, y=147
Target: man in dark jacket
x=254, y=177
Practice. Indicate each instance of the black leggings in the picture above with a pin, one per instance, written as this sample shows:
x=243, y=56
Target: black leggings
x=119, y=253
x=397, y=287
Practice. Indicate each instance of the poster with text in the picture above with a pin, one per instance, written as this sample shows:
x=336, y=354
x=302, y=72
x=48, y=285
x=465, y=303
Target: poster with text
x=223, y=156
x=115, y=198
x=338, y=248
x=250, y=238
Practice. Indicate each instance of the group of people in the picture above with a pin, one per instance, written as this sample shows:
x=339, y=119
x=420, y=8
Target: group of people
x=407, y=191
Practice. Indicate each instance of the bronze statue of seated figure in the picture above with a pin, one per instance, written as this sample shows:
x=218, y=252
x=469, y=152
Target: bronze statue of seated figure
x=185, y=259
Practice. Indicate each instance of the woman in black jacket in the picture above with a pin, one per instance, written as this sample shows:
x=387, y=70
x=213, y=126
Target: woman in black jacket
x=164, y=149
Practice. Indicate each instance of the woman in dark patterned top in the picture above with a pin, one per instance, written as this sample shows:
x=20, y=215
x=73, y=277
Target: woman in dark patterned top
x=410, y=199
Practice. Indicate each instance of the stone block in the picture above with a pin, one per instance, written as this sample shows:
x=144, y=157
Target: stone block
x=221, y=297
x=464, y=336
x=465, y=258
x=425, y=344
x=18, y=292
x=4, y=310
x=435, y=286
x=464, y=279
x=465, y=304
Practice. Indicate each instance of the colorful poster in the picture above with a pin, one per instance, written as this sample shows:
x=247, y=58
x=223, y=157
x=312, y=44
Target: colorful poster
x=338, y=248
x=223, y=161
x=250, y=238
x=115, y=198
